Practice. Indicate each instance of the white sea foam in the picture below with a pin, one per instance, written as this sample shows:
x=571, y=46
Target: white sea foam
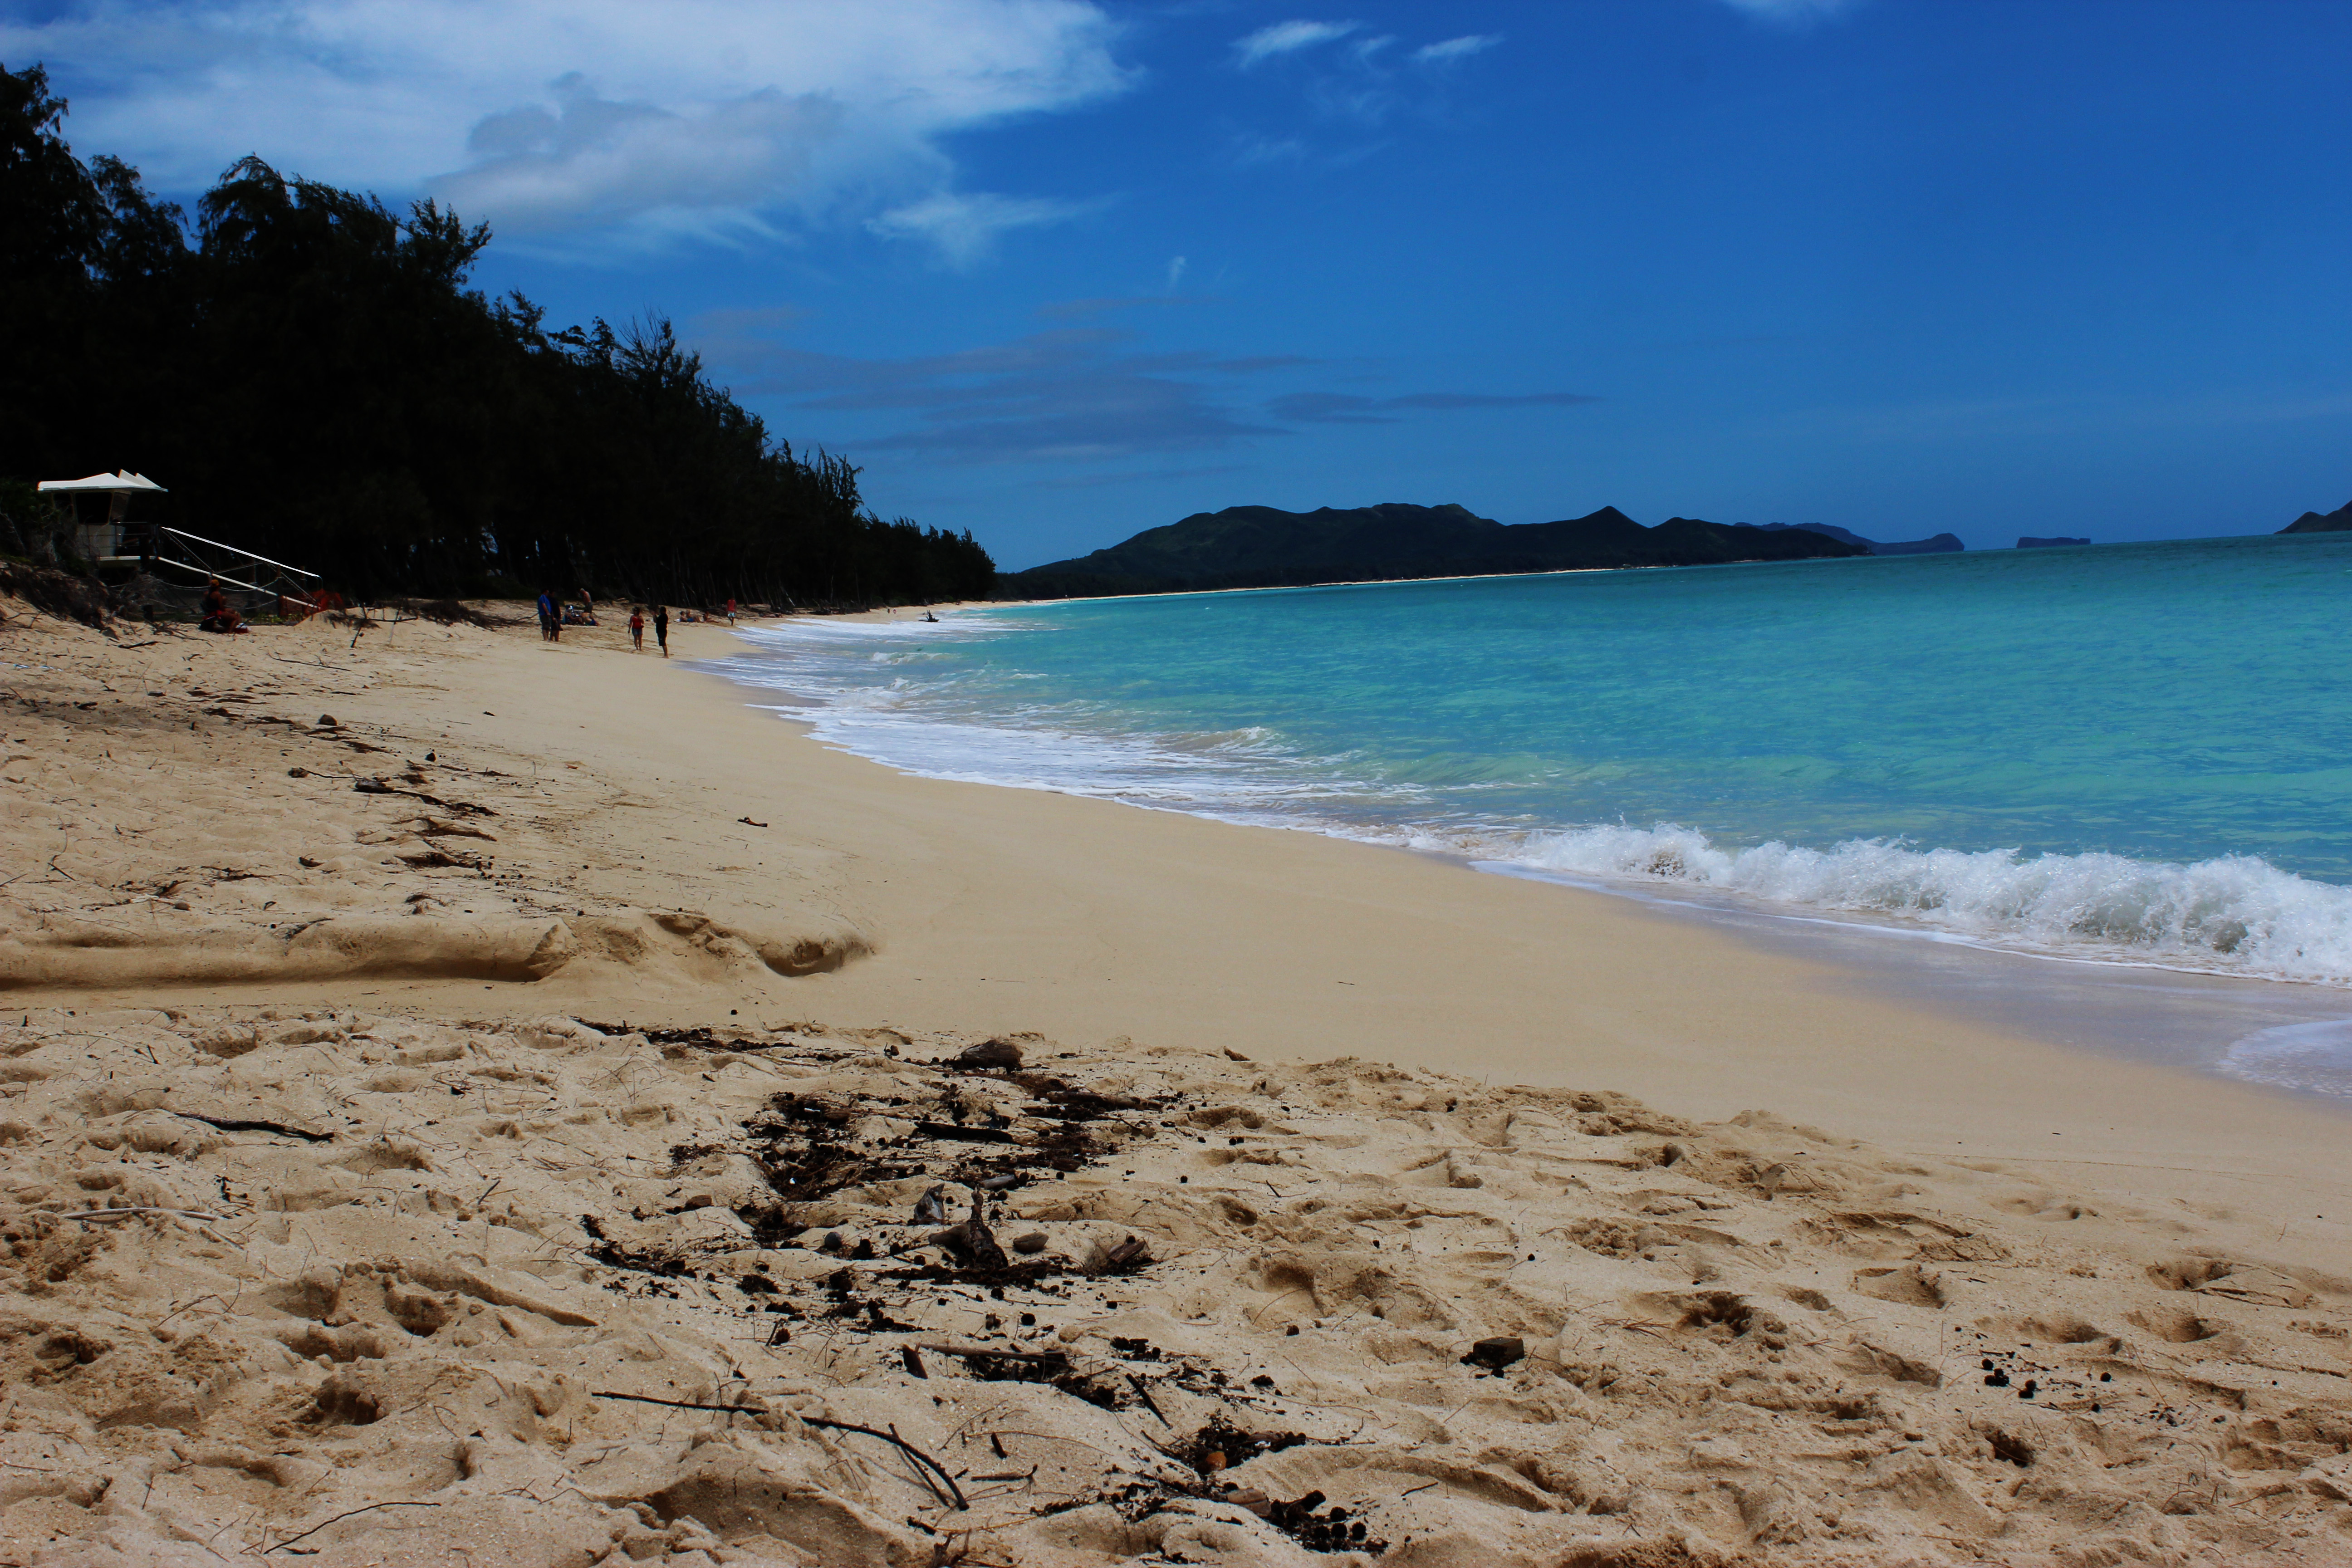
x=2237, y=913
x=920, y=727
x=2314, y=1058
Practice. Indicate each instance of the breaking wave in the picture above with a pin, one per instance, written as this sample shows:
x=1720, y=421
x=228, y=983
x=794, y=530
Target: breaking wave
x=2236, y=914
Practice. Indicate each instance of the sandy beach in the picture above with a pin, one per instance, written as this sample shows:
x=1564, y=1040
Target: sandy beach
x=470, y=1098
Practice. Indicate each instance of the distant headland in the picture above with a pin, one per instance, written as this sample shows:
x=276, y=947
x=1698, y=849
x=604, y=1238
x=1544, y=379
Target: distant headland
x=1265, y=547
x=1939, y=544
x=2336, y=522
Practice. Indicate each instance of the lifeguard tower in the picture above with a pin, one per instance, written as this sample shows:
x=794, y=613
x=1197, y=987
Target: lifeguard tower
x=114, y=540
x=181, y=559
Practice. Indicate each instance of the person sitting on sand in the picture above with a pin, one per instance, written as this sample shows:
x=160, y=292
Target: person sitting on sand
x=218, y=616
x=638, y=629
x=661, y=627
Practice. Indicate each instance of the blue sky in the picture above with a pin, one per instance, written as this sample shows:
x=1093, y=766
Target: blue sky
x=1057, y=271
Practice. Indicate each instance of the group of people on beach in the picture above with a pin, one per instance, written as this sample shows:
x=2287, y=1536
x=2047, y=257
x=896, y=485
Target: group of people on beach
x=554, y=615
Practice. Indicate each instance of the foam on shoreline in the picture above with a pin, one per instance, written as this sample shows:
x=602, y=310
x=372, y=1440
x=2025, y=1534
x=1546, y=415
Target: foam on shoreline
x=2233, y=914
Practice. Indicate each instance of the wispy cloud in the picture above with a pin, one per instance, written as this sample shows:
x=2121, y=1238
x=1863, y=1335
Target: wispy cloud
x=1793, y=13
x=965, y=227
x=1359, y=86
x=1288, y=39
x=566, y=117
x=1460, y=49
x=1347, y=408
x=1071, y=396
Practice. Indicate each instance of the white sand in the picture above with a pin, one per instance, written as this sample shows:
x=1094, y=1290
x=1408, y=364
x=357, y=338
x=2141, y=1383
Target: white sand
x=1744, y=1339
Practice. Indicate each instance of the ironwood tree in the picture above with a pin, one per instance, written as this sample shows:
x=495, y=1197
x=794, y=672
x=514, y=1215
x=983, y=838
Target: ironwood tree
x=309, y=373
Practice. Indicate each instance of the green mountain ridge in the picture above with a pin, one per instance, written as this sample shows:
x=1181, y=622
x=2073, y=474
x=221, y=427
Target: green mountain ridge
x=1265, y=547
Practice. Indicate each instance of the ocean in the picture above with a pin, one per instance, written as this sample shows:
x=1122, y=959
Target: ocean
x=2135, y=755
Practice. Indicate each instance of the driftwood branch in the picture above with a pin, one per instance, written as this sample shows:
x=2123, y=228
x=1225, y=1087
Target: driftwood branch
x=238, y=1124
x=678, y=1404
x=908, y=1449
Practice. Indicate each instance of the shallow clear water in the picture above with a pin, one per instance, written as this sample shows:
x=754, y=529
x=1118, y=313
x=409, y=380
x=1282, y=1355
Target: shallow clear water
x=2130, y=752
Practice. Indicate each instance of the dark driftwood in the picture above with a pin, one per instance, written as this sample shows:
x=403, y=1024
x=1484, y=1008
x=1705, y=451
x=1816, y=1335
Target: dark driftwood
x=235, y=1124
x=908, y=1448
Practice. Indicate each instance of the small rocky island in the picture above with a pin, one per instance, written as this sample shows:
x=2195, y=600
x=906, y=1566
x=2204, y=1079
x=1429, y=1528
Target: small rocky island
x=2336, y=522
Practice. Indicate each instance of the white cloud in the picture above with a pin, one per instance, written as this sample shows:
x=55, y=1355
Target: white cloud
x=564, y=116
x=1793, y=13
x=1458, y=48
x=1175, y=272
x=965, y=227
x=1287, y=38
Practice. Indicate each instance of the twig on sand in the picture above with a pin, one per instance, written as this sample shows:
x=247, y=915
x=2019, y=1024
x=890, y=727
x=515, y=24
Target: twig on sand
x=908, y=1448
x=107, y=1216
x=676, y=1403
x=1150, y=1404
x=339, y=1518
x=905, y=1448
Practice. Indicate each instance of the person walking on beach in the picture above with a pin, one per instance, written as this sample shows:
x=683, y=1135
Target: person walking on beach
x=638, y=629
x=547, y=616
x=661, y=627
x=730, y=612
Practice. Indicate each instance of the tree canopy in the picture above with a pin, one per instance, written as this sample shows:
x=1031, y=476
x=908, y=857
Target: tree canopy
x=310, y=373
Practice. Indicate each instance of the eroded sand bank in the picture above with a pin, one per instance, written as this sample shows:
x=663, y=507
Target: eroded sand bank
x=490, y=1066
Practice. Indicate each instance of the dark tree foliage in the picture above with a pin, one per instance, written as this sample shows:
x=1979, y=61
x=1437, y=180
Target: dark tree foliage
x=310, y=375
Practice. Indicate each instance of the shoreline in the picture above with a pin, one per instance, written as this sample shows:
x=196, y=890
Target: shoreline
x=1010, y=908
x=434, y=1179
x=1651, y=953
x=2232, y=1004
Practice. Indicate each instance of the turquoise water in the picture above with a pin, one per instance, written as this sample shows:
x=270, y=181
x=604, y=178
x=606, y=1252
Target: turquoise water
x=2139, y=752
